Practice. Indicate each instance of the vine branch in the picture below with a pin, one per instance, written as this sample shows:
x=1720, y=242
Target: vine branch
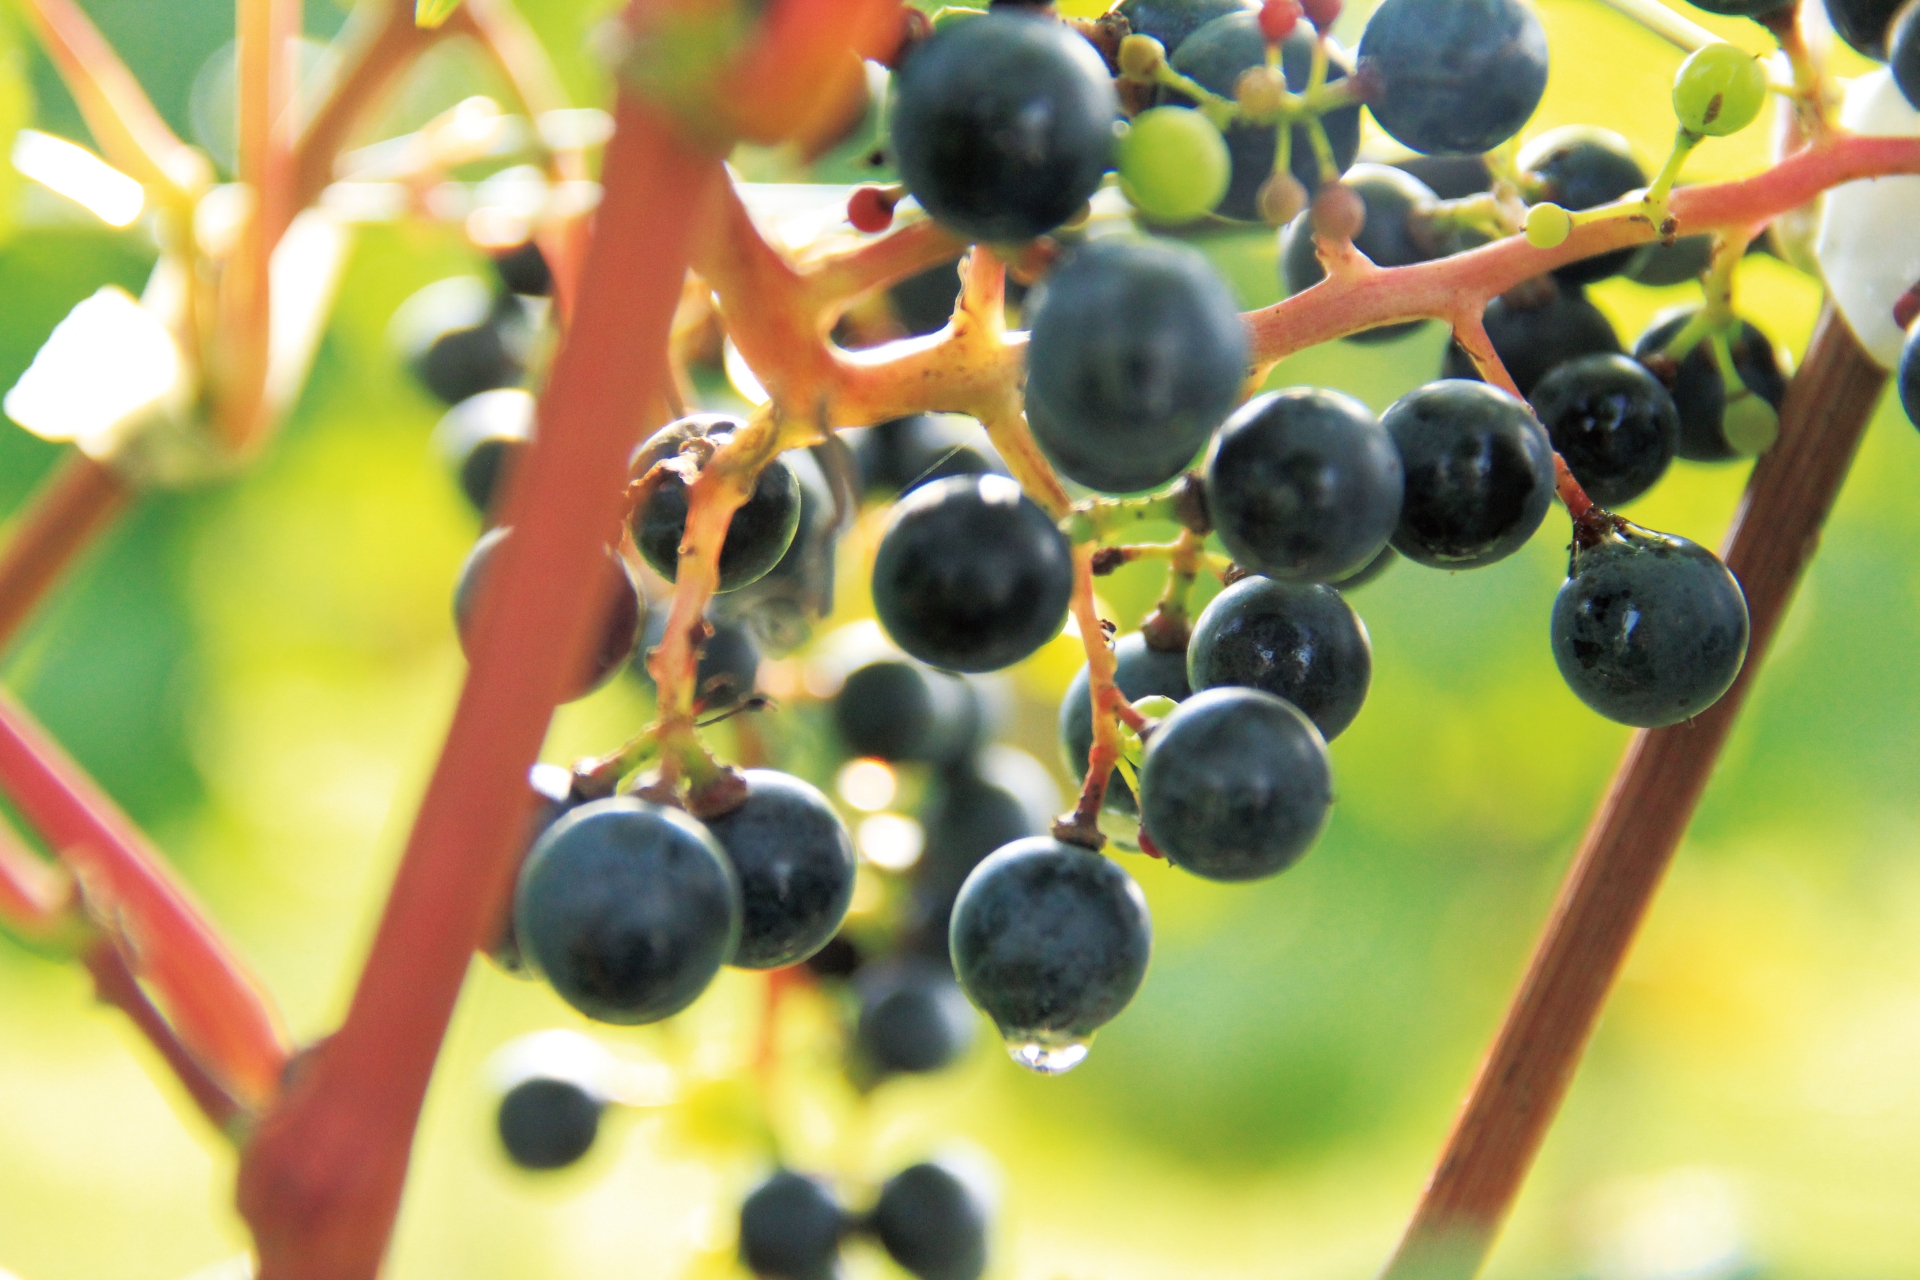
x=77, y=501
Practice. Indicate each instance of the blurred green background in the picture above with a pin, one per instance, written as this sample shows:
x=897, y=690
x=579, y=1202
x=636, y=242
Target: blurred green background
x=260, y=671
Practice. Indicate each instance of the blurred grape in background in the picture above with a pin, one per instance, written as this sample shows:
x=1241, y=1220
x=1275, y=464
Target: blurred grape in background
x=259, y=671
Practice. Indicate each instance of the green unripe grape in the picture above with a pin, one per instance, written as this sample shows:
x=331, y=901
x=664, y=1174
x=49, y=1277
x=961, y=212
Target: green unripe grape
x=1548, y=226
x=1174, y=164
x=1719, y=90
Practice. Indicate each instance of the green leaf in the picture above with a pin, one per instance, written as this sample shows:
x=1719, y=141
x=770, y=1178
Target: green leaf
x=16, y=108
x=431, y=13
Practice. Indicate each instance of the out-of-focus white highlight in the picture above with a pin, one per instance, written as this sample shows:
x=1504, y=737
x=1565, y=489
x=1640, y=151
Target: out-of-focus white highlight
x=108, y=365
x=891, y=841
x=1685, y=1224
x=743, y=378
x=1869, y=242
x=69, y=169
x=867, y=785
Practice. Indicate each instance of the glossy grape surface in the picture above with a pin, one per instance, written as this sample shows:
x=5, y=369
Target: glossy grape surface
x=1719, y=89
x=971, y=575
x=1215, y=56
x=1003, y=125
x=1050, y=939
x=619, y=627
x=548, y=1123
x=1304, y=485
x=790, y=1227
x=1649, y=629
x=1137, y=354
x=913, y=1016
x=1863, y=23
x=1140, y=672
x=1454, y=75
x=794, y=861
x=759, y=533
x=933, y=1222
x=1479, y=474
x=1612, y=422
x=1236, y=785
x=628, y=909
x=1531, y=340
x=1300, y=641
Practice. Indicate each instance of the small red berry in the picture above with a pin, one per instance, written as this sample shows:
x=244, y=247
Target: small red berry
x=1321, y=13
x=1278, y=19
x=1147, y=846
x=870, y=208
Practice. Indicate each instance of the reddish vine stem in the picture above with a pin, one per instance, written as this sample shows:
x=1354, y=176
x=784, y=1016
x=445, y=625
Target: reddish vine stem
x=1634, y=834
x=219, y=1010
x=77, y=502
x=1470, y=331
x=115, y=984
x=320, y=1183
x=36, y=900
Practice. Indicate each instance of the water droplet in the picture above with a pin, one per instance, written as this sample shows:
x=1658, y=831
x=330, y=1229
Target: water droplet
x=1047, y=1055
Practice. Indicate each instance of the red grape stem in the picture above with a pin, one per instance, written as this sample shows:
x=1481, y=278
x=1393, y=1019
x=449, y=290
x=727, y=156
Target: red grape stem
x=1110, y=709
x=78, y=501
x=1471, y=333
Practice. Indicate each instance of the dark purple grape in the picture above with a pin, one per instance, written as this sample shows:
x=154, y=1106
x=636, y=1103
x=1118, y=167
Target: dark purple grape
x=1721, y=418
x=1051, y=940
x=1648, y=629
x=523, y=270
x=1863, y=24
x=898, y=710
x=913, y=1017
x=1450, y=177
x=899, y=456
x=966, y=816
x=1304, y=485
x=619, y=627
x=761, y=529
x=1612, y=422
x=1454, y=75
x=1903, y=54
x=794, y=860
x=1295, y=640
x=1909, y=375
x=1660, y=263
x=1367, y=572
x=1530, y=340
x=970, y=574
x=1140, y=672
x=1172, y=21
x=1479, y=474
x=790, y=1228
x=1395, y=234
x=1003, y=125
x=1235, y=785
x=628, y=909
x=459, y=339
x=483, y=438
x=1137, y=353
x=1578, y=167
x=548, y=1122
x=1215, y=56
x=933, y=1222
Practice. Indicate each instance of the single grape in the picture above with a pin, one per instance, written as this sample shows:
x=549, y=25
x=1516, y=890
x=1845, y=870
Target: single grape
x=1903, y=54
x=1479, y=474
x=1909, y=376
x=1612, y=422
x=1173, y=164
x=1172, y=21
x=1395, y=233
x=761, y=529
x=1863, y=23
x=1648, y=629
x=1137, y=353
x=1583, y=167
x=1722, y=416
x=619, y=626
x=899, y=456
x=483, y=438
x=548, y=1122
x=1295, y=640
x=1236, y=785
x=913, y=1017
x=790, y=1228
x=460, y=339
x=552, y=787
x=1003, y=125
x=628, y=909
x=794, y=861
x=1719, y=89
x=1215, y=56
x=898, y=710
x=780, y=607
x=728, y=667
x=971, y=575
x=1454, y=75
x=966, y=816
x=1367, y=572
x=1530, y=340
x=523, y=270
x=933, y=1221
x=1304, y=485
x=839, y=960
x=1140, y=672
x=1051, y=941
